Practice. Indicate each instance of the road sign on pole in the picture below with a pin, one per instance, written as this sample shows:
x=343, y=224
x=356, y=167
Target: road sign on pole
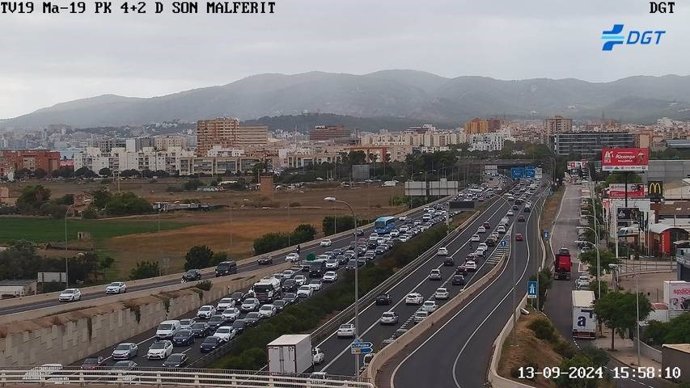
x=532, y=289
x=546, y=234
x=504, y=243
x=359, y=347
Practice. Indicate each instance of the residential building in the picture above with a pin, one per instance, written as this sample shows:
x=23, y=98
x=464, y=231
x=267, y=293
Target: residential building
x=588, y=144
x=28, y=159
x=486, y=141
x=209, y=165
x=477, y=125
x=119, y=159
x=163, y=143
x=227, y=132
x=332, y=133
x=558, y=124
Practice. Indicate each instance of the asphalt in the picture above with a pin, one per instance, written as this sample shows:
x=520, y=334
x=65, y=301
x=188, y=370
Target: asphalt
x=458, y=353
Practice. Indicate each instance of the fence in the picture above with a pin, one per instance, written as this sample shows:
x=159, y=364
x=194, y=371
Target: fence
x=630, y=267
x=200, y=378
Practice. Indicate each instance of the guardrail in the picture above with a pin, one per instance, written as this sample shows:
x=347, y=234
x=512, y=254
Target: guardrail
x=172, y=377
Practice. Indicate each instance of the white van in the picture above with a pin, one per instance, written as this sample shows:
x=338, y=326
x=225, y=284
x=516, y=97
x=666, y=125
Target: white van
x=167, y=329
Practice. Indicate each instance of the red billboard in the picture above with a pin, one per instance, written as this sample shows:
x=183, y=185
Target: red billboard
x=624, y=159
x=635, y=190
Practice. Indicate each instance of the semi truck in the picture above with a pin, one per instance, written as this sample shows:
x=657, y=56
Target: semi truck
x=584, y=319
x=562, y=264
x=290, y=353
x=267, y=290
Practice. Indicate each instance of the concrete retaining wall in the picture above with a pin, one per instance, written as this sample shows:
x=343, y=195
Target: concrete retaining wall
x=69, y=336
x=648, y=351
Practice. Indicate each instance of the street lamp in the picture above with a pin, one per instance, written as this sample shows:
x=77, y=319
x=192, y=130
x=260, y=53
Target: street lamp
x=596, y=246
x=354, y=219
x=66, y=255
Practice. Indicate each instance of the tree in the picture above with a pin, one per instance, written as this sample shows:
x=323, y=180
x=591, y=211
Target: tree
x=199, y=256
x=62, y=172
x=101, y=198
x=579, y=361
x=193, y=184
x=40, y=173
x=618, y=312
x=144, y=269
x=19, y=261
x=330, y=224
x=84, y=172
x=121, y=204
x=606, y=258
x=32, y=198
x=105, y=172
x=303, y=233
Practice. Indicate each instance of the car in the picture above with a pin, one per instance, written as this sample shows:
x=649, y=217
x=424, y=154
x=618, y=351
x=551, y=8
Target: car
x=280, y=304
x=167, y=329
x=481, y=229
x=305, y=292
x=521, y=218
x=225, y=333
x=442, y=251
x=225, y=303
x=471, y=265
x=116, y=288
x=326, y=242
x=250, y=304
x=519, y=237
x=510, y=213
x=183, y=337
x=442, y=293
x=238, y=296
x=300, y=280
x=176, y=360
x=290, y=285
x=332, y=263
x=125, y=351
x=398, y=333
x=515, y=207
x=419, y=316
x=93, y=363
x=330, y=277
x=292, y=257
x=414, y=298
x=159, y=350
x=369, y=255
x=483, y=246
x=239, y=325
x=206, y=312
x=70, y=295
x=216, y=321
x=317, y=356
x=315, y=284
x=200, y=329
x=475, y=238
x=191, y=275
x=429, y=306
x=265, y=260
x=253, y=318
x=461, y=270
x=582, y=282
x=491, y=241
x=501, y=229
x=381, y=249
x=449, y=262
x=124, y=365
x=389, y=318
x=231, y=313
x=383, y=299
x=435, y=274
x=346, y=330
x=486, y=225
x=290, y=297
x=186, y=324
x=268, y=310
x=210, y=343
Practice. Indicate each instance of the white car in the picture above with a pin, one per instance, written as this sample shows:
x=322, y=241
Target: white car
x=206, y=312
x=326, y=243
x=404, y=238
x=442, y=251
x=441, y=294
x=267, y=310
x=315, y=284
x=70, y=295
x=186, y=324
x=475, y=238
x=224, y=304
x=501, y=229
x=429, y=306
x=414, y=298
x=330, y=277
x=346, y=330
x=300, y=280
x=317, y=356
x=389, y=318
x=483, y=246
x=510, y=213
x=292, y=257
x=471, y=265
x=395, y=233
x=116, y=288
x=582, y=282
x=481, y=229
x=402, y=218
x=435, y=274
x=160, y=350
x=419, y=316
x=225, y=333
x=250, y=304
x=332, y=264
x=231, y=313
x=305, y=292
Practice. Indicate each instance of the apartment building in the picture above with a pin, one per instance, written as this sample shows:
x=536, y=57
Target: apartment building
x=477, y=126
x=163, y=143
x=558, y=124
x=331, y=133
x=28, y=159
x=119, y=159
x=227, y=132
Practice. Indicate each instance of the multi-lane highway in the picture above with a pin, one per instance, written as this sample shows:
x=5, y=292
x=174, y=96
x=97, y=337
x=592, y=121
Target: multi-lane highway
x=337, y=350
x=458, y=353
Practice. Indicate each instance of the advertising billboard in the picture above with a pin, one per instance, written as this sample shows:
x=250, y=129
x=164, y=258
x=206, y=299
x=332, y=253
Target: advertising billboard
x=677, y=295
x=576, y=164
x=635, y=190
x=624, y=159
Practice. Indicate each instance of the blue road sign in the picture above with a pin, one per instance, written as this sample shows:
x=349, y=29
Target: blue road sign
x=504, y=243
x=517, y=172
x=532, y=289
x=529, y=172
x=361, y=345
x=546, y=234
x=366, y=350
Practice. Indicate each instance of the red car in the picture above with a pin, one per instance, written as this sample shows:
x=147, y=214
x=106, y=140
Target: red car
x=518, y=237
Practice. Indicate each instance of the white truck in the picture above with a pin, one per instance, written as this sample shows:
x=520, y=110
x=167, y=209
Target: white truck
x=290, y=353
x=584, y=319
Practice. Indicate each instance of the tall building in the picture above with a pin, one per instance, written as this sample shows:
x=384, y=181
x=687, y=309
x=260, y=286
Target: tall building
x=29, y=159
x=227, y=132
x=329, y=132
x=588, y=144
x=477, y=125
x=558, y=124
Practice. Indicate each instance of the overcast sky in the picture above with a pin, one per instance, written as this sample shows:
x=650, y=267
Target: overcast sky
x=47, y=59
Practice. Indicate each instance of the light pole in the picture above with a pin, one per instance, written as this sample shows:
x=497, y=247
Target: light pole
x=66, y=255
x=596, y=246
x=354, y=234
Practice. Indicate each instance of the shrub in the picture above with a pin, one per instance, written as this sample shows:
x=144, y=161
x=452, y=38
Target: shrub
x=565, y=349
x=205, y=285
x=543, y=329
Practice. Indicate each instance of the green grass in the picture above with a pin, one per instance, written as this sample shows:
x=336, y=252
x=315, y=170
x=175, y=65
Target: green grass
x=41, y=230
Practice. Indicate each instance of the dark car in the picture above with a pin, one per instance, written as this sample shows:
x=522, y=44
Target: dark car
x=176, y=360
x=381, y=249
x=265, y=260
x=449, y=262
x=93, y=363
x=290, y=297
x=458, y=280
x=216, y=321
x=383, y=299
x=226, y=268
x=280, y=304
x=209, y=344
x=515, y=207
x=290, y=285
x=183, y=337
x=238, y=296
x=252, y=319
x=200, y=329
x=191, y=275
x=239, y=325
x=521, y=218
x=490, y=242
x=123, y=365
x=461, y=270
x=359, y=232
x=487, y=225
x=342, y=259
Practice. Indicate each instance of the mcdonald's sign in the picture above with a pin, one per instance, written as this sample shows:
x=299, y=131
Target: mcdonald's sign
x=655, y=190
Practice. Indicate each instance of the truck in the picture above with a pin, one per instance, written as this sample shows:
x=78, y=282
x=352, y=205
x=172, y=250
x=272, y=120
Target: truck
x=267, y=290
x=562, y=264
x=290, y=353
x=584, y=319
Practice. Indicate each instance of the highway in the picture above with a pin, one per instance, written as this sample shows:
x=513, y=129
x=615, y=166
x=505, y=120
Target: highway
x=339, y=361
x=458, y=353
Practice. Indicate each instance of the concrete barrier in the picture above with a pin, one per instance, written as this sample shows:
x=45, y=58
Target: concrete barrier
x=648, y=351
x=495, y=379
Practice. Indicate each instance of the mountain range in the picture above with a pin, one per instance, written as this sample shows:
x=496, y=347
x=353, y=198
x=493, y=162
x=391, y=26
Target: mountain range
x=401, y=94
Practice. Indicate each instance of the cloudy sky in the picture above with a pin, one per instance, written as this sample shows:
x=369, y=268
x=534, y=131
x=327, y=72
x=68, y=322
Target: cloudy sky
x=48, y=59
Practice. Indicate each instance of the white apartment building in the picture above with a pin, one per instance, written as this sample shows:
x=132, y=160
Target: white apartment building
x=492, y=141
x=428, y=137
x=119, y=159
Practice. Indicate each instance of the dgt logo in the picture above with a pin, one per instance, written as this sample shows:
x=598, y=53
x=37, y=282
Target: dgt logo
x=661, y=7
x=616, y=36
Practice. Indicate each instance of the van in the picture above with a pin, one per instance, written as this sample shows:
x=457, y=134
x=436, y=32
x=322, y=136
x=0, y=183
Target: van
x=226, y=268
x=317, y=268
x=168, y=329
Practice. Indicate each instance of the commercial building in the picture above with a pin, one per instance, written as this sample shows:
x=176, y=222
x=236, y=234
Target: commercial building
x=29, y=159
x=333, y=133
x=588, y=144
x=477, y=125
x=227, y=132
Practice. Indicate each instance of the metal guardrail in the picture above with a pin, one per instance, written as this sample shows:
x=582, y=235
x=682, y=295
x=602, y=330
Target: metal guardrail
x=171, y=377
